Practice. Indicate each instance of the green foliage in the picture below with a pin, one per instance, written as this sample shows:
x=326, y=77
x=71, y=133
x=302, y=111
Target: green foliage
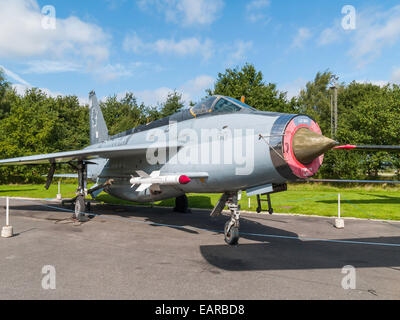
x=40, y=124
x=314, y=100
x=250, y=83
x=367, y=114
x=172, y=105
x=4, y=96
x=35, y=123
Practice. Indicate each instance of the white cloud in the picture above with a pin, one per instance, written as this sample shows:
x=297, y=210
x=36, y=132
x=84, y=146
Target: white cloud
x=111, y=72
x=14, y=76
x=21, y=89
x=293, y=89
x=115, y=4
x=375, y=31
x=255, y=10
x=302, y=35
x=239, y=52
x=196, y=87
x=380, y=83
x=184, y=47
x=20, y=86
x=329, y=36
x=50, y=66
x=22, y=35
x=185, y=12
x=192, y=90
x=396, y=75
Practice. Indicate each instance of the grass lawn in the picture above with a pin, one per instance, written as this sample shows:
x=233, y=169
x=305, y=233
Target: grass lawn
x=371, y=202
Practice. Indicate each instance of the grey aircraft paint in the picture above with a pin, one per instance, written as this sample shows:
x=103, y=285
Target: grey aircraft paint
x=119, y=157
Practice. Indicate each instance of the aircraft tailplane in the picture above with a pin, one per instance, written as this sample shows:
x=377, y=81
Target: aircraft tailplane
x=98, y=127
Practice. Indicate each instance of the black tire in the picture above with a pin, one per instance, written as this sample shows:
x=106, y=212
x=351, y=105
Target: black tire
x=231, y=237
x=79, y=208
x=182, y=204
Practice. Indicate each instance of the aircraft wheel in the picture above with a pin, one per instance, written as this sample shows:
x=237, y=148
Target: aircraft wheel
x=182, y=204
x=79, y=208
x=232, y=235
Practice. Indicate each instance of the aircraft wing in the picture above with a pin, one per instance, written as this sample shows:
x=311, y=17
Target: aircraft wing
x=87, y=154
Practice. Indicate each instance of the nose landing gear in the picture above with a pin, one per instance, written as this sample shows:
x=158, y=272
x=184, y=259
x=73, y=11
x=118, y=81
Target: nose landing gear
x=231, y=230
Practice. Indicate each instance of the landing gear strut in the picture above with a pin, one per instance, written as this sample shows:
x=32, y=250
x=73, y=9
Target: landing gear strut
x=80, y=205
x=232, y=226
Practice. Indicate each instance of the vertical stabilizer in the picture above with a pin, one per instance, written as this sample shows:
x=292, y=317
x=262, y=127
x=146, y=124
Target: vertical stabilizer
x=98, y=127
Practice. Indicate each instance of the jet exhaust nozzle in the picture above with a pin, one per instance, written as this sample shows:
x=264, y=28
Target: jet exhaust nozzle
x=309, y=145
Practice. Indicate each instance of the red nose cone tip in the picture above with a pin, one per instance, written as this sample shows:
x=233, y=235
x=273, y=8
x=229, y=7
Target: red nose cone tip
x=184, y=180
x=346, y=147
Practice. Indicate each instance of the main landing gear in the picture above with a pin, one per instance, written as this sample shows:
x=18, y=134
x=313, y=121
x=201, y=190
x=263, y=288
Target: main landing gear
x=182, y=204
x=81, y=206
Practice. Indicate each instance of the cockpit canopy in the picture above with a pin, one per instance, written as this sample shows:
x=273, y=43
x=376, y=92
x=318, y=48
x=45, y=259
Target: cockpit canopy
x=218, y=104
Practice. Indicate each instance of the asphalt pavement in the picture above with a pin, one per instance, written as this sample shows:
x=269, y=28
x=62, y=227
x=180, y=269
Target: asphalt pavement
x=154, y=253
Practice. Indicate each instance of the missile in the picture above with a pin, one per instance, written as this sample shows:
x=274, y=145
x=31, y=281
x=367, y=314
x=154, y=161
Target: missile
x=154, y=180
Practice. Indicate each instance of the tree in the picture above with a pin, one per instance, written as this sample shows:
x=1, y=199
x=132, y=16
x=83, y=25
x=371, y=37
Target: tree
x=368, y=114
x=314, y=99
x=172, y=105
x=371, y=118
x=39, y=124
x=124, y=114
x=250, y=83
x=4, y=91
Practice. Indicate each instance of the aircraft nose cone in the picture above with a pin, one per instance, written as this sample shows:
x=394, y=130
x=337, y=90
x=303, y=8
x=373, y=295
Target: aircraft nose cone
x=309, y=145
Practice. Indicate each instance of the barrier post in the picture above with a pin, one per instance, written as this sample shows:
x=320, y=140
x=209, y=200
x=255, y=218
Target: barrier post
x=339, y=222
x=59, y=196
x=7, y=231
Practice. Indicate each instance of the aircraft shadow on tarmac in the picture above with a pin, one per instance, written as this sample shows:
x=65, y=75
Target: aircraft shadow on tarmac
x=268, y=253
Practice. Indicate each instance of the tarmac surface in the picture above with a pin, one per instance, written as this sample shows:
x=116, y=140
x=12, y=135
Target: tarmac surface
x=153, y=253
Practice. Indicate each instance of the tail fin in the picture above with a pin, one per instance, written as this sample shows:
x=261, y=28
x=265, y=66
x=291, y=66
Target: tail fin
x=98, y=127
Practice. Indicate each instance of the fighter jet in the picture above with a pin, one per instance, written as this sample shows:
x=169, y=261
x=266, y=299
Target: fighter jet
x=220, y=145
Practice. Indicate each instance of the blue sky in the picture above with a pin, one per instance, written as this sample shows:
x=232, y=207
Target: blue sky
x=151, y=47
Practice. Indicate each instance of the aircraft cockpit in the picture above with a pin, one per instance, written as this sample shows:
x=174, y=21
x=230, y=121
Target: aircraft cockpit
x=218, y=104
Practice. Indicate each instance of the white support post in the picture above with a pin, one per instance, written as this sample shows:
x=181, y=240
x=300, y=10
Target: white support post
x=7, y=211
x=249, y=203
x=339, y=222
x=7, y=231
x=59, y=196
